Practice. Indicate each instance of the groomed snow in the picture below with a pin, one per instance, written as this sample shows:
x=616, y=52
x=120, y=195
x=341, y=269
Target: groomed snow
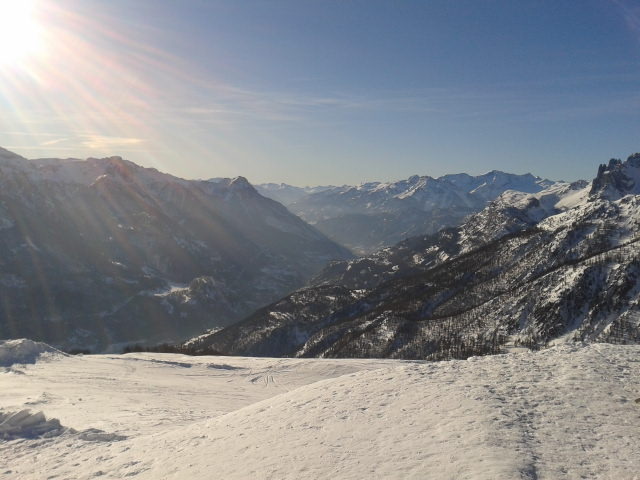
x=566, y=412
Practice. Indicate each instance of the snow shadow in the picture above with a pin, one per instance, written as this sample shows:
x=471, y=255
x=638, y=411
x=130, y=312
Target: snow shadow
x=26, y=424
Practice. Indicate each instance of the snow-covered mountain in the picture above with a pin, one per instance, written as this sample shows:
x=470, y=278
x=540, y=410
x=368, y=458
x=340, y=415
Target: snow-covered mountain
x=287, y=194
x=102, y=251
x=561, y=264
x=618, y=178
x=373, y=215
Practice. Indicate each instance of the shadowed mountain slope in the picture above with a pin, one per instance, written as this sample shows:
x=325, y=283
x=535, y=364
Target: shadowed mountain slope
x=103, y=251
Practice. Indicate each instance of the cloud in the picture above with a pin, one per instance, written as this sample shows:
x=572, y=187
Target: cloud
x=102, y=142
x=631, y=15
x=227, y=104
x=54, y=141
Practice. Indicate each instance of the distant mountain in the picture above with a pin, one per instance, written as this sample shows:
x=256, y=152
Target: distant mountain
x=287, y=194
x=103, y=251
x=373, y=215
x=562, y=264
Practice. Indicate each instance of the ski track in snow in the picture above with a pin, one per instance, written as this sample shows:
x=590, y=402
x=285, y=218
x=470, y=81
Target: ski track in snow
x=566, y=412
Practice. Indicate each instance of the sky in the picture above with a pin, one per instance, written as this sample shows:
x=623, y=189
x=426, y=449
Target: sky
x=316, y=92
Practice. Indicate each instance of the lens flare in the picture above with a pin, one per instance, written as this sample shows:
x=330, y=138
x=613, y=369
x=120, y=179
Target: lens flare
x=19, y=31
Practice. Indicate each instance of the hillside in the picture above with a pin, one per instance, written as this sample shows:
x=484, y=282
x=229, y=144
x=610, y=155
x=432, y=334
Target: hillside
x=561, y=265
x=103, y=251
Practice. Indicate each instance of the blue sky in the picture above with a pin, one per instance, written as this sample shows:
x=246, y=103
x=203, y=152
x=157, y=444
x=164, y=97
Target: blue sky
x=332, y=91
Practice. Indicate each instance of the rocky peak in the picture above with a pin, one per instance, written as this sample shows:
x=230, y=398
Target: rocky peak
x=634, y=160
x=240, y=187
x=240, y=183
x=232, y=188
x=617, y=178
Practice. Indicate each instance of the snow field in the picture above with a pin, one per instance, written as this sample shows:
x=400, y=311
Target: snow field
x=567, y=412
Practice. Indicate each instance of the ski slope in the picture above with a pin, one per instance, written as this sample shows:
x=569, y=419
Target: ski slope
x=566, y=412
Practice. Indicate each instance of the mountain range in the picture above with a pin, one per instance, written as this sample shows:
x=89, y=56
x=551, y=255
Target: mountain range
x=98, y=252
x=562, y=264
x=373, y=215
x=288, y=194
x=102, y=252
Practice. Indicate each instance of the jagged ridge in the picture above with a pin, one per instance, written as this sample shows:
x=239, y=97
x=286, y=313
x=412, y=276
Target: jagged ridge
x=370, y=216
x=564, y=263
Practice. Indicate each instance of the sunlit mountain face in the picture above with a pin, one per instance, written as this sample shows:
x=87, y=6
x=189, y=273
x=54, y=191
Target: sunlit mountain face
x=560, y=265
x=370, y=216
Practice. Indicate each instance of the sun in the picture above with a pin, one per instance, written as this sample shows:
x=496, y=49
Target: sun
x=20, y=35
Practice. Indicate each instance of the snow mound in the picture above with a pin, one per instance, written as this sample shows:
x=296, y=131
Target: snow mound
x=28, y=424
x=23, y=351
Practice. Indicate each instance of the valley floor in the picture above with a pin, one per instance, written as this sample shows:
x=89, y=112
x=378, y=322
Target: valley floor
x=567, y=412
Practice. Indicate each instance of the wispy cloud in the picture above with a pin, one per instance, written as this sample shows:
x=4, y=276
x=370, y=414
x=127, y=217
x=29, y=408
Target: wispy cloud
x=101, y=142
x=227, y=104
x=620, y=104
x=500, y=102
x=631, y=13
x=16, y=133
x=55, y=141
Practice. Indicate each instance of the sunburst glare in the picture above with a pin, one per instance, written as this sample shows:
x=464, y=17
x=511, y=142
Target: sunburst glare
x=20, y=33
